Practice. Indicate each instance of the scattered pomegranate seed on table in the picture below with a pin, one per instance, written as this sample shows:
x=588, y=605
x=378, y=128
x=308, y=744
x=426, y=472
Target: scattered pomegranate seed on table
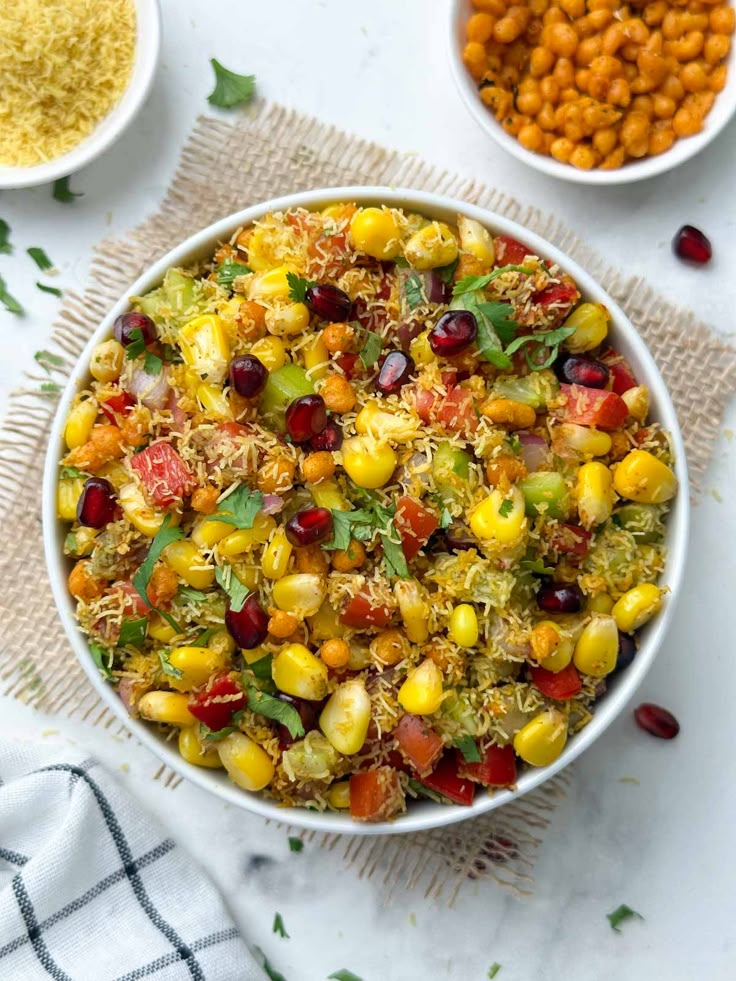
x=656, y=720
x=692, y=245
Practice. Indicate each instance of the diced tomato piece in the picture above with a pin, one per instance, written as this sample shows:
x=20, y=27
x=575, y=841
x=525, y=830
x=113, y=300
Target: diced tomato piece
x=360, y=612
x=557, y=684
x=165, y=476
x=557, y=294
x=121, y=403
x=455, y=411
x=622, y=377
x=420, y=744
x=445, y=779
x=571, y=540
x=593, y=407
x=496, y=769
x=350, y=364
x=216, y=704
x=510, y=252
x=134, y=604
x=415, y=524
x=376, y=795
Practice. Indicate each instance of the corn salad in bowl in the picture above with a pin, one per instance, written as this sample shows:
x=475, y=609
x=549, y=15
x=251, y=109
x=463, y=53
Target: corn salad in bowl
x=363, y=508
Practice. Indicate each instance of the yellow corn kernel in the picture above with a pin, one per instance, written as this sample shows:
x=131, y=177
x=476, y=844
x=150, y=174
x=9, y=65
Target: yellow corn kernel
x=197, y=665
x=245, y=538
x=115, y=472
x=431, y=247
x=296, y=671
x=160, y=629
x=599, y=603
x=106, y=362
x=375, y=232
x=637, y=402
x=166, y=706
x=222, y=643
x=301, y=593
x=476, y=240
x=588, y=442
x=213, y=402
x=346, y=716
x=271, y=285
x=541, y=741
x=146, y=519
x=463, y=626
x=500, y=517
x=79, y=423
x=637, y=606
x=276, y=555
x=205, y=348
x=253, y=655
x=316, y=358
x=271, y=352
x=338, y=796
x=414, y=609
x=374, y=421
x=641, y=477
x=206, y=534
x=594, y=494
x=421, y=692
x=68, y=492
x=188, y=562
x=247, y=764
x=367, y=462
x=596, y=649
x=421, y=350
x=327, y=494
x=561, y=657
x=325, y=623
x=590, y=321
x=192, y=750
x=287, y=319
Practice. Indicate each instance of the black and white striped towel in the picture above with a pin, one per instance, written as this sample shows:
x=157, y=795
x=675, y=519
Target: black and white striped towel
x=92, y=890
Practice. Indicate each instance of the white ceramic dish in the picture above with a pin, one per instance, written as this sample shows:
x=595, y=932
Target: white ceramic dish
x=721, y=113
x=421, y=814
x=147, y=47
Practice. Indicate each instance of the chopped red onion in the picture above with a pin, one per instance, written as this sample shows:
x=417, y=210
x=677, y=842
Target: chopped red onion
x=152, y=390
x=272, y=503
x=534, y=451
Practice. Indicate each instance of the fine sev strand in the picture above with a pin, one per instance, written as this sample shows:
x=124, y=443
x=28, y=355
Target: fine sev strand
x=66, y=63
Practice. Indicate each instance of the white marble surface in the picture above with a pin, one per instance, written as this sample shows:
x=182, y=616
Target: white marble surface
x=665, y=846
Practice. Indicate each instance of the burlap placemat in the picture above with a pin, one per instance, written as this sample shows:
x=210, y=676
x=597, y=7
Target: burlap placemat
x=225, y=167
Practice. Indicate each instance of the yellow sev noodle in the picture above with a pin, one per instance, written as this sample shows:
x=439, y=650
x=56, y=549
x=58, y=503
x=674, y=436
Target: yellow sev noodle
x=65, y=64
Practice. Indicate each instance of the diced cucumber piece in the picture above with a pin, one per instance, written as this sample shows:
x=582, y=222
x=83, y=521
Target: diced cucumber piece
x=545, y=488
x=535, y=389
x=283, y=386
x=643, y=521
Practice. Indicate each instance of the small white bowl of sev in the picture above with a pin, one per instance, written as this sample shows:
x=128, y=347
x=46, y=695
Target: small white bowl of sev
x=75, y=73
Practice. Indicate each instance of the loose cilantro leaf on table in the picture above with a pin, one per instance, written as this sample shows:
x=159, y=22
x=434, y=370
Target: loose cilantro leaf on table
x=493, y=970
x=278, y=926
x=234, y=588
x=370, y=352
x=230, y=88
x=239, y=508
x=270, y=970
x=5, y=247
x=414, y=291
x=344, y=975
x=103, y=659
x=296, y=844
x=166, y=666
x=229, y=270
x=54, y=290
x=49, y=388
x=273, y=708
x=133, y=632
x=40, y=258
x=298, y=287
x=63, y=193
x=469, y=748
x=9, y=302
x=621, y=913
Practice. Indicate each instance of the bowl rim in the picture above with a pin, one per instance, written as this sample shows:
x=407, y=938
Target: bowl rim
x=143, y=72
x=426, y=814
x=638, y=170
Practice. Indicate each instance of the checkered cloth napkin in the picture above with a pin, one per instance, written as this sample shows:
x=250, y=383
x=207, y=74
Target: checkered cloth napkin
x=90, y=888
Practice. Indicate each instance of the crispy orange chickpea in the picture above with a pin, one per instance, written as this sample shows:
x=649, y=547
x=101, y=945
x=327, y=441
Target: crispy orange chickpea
x=546, y=118
x=583, y=157
x=350, y=558
x=652, y=65
x=204, y=500
x=136, y=426
x=573, y=8
x=619, y=446
x=717, y=78
x=338, y=338
x=474, y=59
x=529, y=103
x=686, y=122
x=560, y=39
x=251, y=320
x=163, y=585
x=335, y=653
x=82, y=584
x=688, y=47
x=311, y=559
x=338, y=394
x=582, y=79
x=561, y=149
x=636, y=30
x=619, y=93
x=276, y=475
x=599, y=19
x=531, y=137
x=671, y=25
x=507, y=29
x=654, y=12
x=587, y=50
x=105, y=443
x=544, y=641
x=495, y=7
x=480, y=27
x=504, y=470
x=660, y=141
x=693, y=76
x=553, y=15
x=716, y=48
x=498, y=100
x=643, y=104
x=537, y=8
x=604, y=141
x=722, y=20
x=607, y=66
x=318, y=466
x=635, y=134
x=549, y=89
x=389, y=647
x=281, y=624
x=541, y=61
x=664, y=107
x=564, y=72
x=613, y=38
x=672, y=88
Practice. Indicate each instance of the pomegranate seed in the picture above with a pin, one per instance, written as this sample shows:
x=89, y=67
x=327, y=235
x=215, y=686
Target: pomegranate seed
x=582, y=371
x=396, y=370
x=248, y=375
x=560, y=597
x=657, y=721
x=308, y=713
x=690, y=244
x=626, y=651
x=330, y=438
x=126, y=323
x=97, y=504
x=249, y=626
x=306, y=417
x=329, y=303
x=309, y=527
x=453, y=332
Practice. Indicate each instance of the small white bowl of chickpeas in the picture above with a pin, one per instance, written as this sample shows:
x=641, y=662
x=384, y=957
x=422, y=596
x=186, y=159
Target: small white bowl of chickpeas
x=596, y=91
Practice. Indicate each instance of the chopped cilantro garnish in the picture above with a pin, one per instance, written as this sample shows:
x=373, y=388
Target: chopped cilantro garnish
x=72, y=473
x=166, y=666
x=239, y=508
x=191, y=595
x=494, y=969
x=62, y=192
x=54, y=290
x=5, y=247
x=469, y=284
x=234, y=588
x=164, y=536
x=40, y=258
x=102, y=658
x=445, y=519
x=270, y=970
x=414, y=291
x=447, y=273
x=469, y=748
x=214, y=735
x=229, y=271
x=261, y=668
x=364, y=524
x=9, y=302
x=347, y=525
x=298, y=287
x=551, y=339
x=137, y=344
x=370, y=352
x=506, y=508
x=344, y=975
x=401, y=262
x=393, y=556
x=623, y=912
x=514, y=443
x=133, y=632
x=536, y=567
x=279, y=928
x=152, y=364
x=273, y=708
x=230, y=88
x=296, y=844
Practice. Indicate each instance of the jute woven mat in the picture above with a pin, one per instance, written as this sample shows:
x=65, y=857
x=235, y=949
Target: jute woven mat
x=225, y=167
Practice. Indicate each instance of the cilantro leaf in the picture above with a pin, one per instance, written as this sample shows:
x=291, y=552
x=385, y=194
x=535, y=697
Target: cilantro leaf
x=506, y=508
x=152, y=364
x=40, y=258
x=202, y=639
x=550, y=339
x=344, y=975
x=166, y=666
x=621, y=913
x=296, y=844
x=270, y=970
x=239, y=508
x=230, y=88
x=469, y=748
x=103, y=660
x=393, y=556
x=414, y=291
x=234, y=588
x=493, y=970
x=72, y=473
x=514, y=443
x=54, y=290
x=164, y=536
x=229, y=270
x=401, y=262
x=47, y=360
x=191, y=595
x=488, y=315
x=422, y=791
x=137, y=344
x=5, y=247
x=499, y=316
x=370, y=352
x=133, y=632
x=215, y=735
x=9, y=302
x=278, y=926
x=447, y=273
x=62, y=192
x=445, y=519
x=469, y=284
x=261, y=668
x=273, y=708
x=298, y=287
x=347, y=525
x=536, y=567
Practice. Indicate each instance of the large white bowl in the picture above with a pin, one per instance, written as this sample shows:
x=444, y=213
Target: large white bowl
x=422, y=814
x=147, y=47
x=637, y=170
